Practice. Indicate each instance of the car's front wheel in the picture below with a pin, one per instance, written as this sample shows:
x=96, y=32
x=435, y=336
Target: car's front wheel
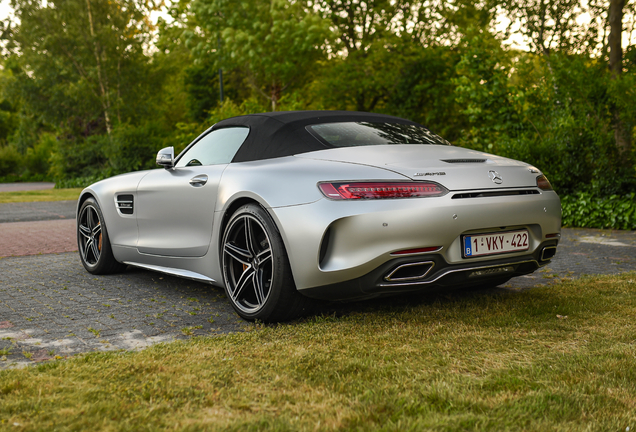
x=256, y=270
x=93, y=242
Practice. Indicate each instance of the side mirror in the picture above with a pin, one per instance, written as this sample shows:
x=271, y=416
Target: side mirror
x=165, y=157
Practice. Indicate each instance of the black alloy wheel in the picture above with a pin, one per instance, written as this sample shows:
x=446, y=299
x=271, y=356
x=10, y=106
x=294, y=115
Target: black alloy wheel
x=256, y=270
x=93, y=242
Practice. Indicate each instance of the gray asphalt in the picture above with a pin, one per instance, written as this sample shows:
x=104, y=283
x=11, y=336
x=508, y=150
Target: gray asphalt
x=37, y=211
x=50, y=307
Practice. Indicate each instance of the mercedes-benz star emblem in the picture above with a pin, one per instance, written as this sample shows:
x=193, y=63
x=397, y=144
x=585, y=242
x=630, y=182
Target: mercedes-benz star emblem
x=495, y=177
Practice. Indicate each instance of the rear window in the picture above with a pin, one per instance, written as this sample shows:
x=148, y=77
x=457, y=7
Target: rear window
x=351, y=134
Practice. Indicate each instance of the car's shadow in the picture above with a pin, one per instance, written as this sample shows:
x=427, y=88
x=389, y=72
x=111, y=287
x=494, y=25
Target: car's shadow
x=405, y=301
x=212, y=299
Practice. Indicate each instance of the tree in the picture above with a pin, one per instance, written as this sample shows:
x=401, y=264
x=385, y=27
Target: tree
x=592, y=28
x=485, y=94
x=80, y=62
x=381, y=43
x=275, y=43
x=621, y=135
x=550, y=24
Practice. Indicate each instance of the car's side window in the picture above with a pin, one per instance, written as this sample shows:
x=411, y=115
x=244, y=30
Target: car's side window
x=217, y=147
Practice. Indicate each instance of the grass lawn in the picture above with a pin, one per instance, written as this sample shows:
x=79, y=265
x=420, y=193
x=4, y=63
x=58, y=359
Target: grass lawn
x=40, y=195
x=561, y=357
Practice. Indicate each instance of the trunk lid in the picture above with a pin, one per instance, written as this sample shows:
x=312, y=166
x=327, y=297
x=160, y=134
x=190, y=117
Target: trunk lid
x=455, y=168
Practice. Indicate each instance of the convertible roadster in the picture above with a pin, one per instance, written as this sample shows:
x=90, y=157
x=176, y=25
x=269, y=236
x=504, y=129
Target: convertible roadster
x=281, y=208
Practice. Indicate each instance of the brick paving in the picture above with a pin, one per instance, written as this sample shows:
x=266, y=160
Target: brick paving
x=50, y=307
x=33, y=228
x=40, y=237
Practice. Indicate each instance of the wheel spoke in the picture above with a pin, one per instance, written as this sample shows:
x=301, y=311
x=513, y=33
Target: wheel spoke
x=250, y=240
x=89, y=218
x=241, y=255
x=264, y=256
x=88, y=247
x=95, y=250
x=97, y=229
x=242, y=282
x=85, y=231
x=258, y=287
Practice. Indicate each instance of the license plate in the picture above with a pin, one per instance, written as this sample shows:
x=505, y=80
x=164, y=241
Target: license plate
x=495, y=243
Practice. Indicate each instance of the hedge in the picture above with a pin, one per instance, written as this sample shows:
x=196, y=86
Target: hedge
x=585, y=210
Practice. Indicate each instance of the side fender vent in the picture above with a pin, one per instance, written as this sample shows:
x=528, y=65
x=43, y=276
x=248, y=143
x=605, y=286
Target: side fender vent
x=125, y=204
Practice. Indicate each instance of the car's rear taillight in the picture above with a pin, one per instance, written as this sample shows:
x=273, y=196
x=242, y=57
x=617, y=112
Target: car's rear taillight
x=543, y=183
x=381, y=190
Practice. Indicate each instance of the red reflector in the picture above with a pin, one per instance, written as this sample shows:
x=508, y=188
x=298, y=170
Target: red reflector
x=380, y=190
x=543, y=183
x=552, y=235
x=415, y=251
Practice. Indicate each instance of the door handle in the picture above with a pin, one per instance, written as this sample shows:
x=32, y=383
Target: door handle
x=198, y=181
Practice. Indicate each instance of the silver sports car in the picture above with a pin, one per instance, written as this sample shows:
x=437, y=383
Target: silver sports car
x=280, y=208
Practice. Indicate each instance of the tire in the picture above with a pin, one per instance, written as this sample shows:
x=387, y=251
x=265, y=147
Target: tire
x=256, y=271
x=93, y=242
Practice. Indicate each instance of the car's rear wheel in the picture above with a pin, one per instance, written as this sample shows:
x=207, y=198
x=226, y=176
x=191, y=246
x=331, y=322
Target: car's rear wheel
x=93, y=242
x=256, y=270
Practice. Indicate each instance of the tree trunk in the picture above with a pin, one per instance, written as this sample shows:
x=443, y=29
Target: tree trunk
x=621, y=134
x=103, y=85
x=275, y=94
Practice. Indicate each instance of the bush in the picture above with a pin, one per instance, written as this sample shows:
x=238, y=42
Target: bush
x=586, y=210
x=37, y=158
x=135, y=148
x=33, y=165
x=78, y=156
x=77, y=182
x=10, y=163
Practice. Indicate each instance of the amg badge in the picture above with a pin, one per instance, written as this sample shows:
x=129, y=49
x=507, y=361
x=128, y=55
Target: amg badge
x=429, y=174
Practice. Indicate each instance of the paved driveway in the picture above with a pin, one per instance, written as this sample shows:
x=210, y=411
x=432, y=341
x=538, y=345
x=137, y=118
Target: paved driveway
x=50, y=307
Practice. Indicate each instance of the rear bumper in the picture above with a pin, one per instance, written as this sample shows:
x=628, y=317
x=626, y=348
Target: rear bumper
x=433, y=272
x=330, y=242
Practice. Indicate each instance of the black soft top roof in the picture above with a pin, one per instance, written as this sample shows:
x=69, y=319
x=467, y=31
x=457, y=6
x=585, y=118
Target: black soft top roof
x=279, y=134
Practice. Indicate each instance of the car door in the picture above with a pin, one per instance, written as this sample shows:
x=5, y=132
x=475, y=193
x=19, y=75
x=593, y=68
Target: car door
x=175, y=206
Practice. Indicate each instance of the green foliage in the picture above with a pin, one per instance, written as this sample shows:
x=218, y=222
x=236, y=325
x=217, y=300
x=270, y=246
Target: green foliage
x=80, y=157
x=77, y=182
x=425, y=93
x=566, y=126
x=80, y=62
x=275, y=43
x=87, y=90
x=230, y=109
x=493, y=107
x=10, y=163
x=36, y=158
x=135, y=147
x=587, y=210
x=8, y=117
x=32, y=165
x=363, y=80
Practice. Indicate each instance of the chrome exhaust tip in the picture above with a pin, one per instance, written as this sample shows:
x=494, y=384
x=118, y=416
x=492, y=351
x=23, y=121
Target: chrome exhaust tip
x=410, y=271
x=548, y=252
